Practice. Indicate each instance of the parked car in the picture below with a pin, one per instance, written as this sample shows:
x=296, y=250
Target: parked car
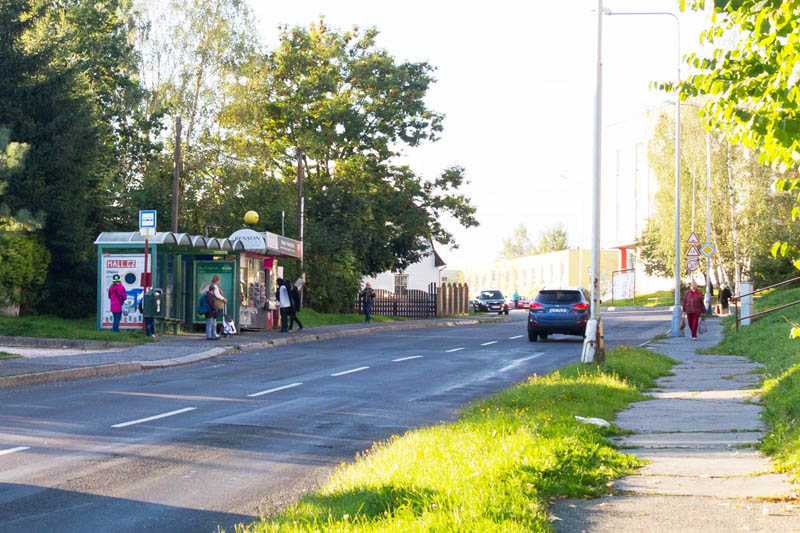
x=491, y=300
x=523, y=303
x=561, y=310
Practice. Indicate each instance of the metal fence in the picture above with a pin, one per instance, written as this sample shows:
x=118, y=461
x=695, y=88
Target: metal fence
x=409, y=304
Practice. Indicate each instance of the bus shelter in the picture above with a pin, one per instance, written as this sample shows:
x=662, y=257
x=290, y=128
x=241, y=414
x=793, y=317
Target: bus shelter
x=181, y=266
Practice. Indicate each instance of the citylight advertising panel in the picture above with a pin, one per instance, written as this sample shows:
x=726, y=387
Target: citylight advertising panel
x=203, y=271
x=130, y=268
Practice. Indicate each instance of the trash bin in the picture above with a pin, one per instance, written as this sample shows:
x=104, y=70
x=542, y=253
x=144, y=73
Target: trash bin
x=153, y=304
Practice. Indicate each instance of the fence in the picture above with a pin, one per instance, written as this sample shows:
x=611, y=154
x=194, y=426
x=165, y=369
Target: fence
x=449, y=299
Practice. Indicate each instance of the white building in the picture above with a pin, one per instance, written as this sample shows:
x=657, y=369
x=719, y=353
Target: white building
x=418, y=276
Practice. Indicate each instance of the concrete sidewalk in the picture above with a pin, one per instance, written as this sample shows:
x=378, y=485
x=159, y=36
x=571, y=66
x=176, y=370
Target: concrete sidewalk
x=698, y=432
x=47, y=360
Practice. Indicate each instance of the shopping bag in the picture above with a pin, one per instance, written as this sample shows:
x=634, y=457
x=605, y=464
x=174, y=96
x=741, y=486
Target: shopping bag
x=683, y=322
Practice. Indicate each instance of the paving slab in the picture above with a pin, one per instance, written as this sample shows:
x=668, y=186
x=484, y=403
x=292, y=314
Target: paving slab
x=691, y=440
x=701, y=383
x=667, y=415
x=744, y=395
x=673, y=514
x=770, y=486
x=703, y=462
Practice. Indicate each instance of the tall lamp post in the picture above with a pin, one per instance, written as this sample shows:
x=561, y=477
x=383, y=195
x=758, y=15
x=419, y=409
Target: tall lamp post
x=676, y=310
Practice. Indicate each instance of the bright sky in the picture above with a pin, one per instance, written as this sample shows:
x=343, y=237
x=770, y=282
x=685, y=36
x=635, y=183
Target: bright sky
x=516, y=83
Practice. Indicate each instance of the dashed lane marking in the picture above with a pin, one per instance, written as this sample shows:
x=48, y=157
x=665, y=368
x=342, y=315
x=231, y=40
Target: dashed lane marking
x=454, y=350
x=276, y=389
x=518, y=362
x=156, y=417
x=516, y=337
x=406, y=358
x=359, y=369
x=488, y=343
x=12, y=450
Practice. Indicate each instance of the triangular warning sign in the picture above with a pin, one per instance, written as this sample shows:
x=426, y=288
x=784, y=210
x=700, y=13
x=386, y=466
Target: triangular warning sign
x=693, y=252
x=693, y=239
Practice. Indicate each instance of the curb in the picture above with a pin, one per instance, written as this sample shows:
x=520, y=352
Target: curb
x=638, y=308
x=77, y=344
x=136, y=366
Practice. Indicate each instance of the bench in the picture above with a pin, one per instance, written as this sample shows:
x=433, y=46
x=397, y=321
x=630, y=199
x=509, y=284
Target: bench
x=172, y=323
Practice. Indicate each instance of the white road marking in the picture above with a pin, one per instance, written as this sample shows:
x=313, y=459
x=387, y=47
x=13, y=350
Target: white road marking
x=645, y=342
x=488, y=343
x=517, y=337
x=518, y=362
x=276, y=389
x=12, y=450
x=454, y=350
x=156, y=417
x=406, y=358
x=359, y=369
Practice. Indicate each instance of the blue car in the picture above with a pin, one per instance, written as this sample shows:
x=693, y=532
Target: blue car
x=562, y=310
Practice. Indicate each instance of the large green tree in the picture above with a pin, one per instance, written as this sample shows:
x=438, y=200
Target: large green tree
x=754, y=84
x=350, y=108
x=45, y=104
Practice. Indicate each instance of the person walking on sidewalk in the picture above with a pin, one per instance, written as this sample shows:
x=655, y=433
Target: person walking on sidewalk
x=693, y=306
x=294, y=295
x=117, y=295
x=724, y=298
x=285, y=302
x=367, y=297
x=213, y=313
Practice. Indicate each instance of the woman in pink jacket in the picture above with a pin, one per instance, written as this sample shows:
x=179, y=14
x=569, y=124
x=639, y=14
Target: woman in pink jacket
x=693, y=306
x=117, y=295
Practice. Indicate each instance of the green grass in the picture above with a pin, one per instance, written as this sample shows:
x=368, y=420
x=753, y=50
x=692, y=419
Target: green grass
x=6, y=355
x=65, y=328
x=496, y=467
x=664, y=298
x=311, y=318
x=767, y=341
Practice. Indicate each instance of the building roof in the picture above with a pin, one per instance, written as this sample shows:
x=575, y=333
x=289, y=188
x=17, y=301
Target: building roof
x=168, y=238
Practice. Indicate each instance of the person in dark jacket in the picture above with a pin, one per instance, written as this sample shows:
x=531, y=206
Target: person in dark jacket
x=294, y=296
x=724, y=298
x=693, y=306
x=367, y=297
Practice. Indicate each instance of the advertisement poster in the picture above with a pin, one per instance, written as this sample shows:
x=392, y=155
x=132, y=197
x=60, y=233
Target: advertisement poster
x=203, y=270
x=129, y=267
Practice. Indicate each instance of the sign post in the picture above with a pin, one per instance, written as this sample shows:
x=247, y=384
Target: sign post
x=147, y=224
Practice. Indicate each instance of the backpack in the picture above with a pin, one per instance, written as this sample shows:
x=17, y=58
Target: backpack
x=203, y=308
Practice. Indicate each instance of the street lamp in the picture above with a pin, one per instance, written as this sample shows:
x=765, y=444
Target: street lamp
x=676, y=309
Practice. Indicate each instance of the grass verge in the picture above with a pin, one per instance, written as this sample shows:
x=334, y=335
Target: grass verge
x=496, y=467
x=311, y=318
x=52, y=327
x=6, y=355
x=643, y=300
x=766, y=340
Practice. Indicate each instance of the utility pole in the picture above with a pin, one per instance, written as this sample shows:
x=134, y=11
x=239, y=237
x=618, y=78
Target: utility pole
x=300, y=202
x=176, y=174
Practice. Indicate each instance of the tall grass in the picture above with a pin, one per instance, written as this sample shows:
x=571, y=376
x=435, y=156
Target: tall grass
x=496, y=467
x=767, y=341
x=65, y=328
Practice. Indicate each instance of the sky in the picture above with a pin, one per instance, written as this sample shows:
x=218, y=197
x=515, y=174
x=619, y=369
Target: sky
x=516, y=83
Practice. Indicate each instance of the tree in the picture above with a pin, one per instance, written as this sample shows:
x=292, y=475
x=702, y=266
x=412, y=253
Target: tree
x=44, y=102
x=754, y=84
x=552, y=239
x=745, y=213
x=351, y=108
x=518, y=244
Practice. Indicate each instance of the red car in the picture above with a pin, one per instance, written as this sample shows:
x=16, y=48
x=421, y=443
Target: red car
x=523, y=303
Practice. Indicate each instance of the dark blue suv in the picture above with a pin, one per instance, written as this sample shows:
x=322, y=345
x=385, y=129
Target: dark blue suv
x=563, y=310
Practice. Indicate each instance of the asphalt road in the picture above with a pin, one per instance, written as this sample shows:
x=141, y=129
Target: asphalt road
x=222, y=442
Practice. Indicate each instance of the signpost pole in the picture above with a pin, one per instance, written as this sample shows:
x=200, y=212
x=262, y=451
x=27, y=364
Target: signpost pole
x=144, y=280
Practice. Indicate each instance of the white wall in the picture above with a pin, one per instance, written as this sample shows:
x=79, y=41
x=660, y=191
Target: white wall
x=420, y=276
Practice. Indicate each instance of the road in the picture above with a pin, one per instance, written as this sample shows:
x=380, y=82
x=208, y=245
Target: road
x=221, y=442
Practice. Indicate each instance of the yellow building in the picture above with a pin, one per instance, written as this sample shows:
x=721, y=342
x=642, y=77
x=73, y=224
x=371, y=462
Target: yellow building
x=526, y=275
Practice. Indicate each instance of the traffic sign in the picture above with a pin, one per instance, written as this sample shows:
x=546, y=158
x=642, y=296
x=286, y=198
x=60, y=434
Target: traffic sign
x=147, y=219
x=692, y=252
x=693, y=239
x=707, y=249
x=692, y=265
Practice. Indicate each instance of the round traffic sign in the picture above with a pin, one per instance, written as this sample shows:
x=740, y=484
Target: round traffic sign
x=692, y=265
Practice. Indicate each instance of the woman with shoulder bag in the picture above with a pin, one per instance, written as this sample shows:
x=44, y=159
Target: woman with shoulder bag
x=693, y=306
